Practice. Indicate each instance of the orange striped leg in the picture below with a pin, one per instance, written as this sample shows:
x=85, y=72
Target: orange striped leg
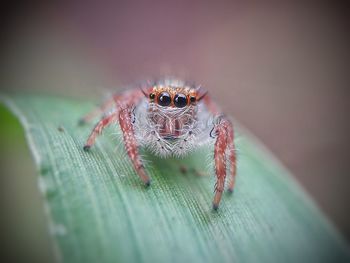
x=223, y=132
x=130, y=143
x=98, y=129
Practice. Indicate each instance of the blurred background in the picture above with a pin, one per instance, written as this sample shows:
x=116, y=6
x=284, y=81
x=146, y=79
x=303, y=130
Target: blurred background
x=281, y=69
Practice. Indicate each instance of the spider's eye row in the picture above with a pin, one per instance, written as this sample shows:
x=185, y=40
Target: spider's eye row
x=180, y=100
x=164, y=99
x=152, y=96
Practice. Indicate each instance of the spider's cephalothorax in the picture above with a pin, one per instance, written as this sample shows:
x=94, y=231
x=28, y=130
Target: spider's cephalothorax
x=170, y=117
x=170, y=120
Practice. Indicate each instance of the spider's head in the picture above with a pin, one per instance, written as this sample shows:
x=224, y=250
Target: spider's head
x=171, y=121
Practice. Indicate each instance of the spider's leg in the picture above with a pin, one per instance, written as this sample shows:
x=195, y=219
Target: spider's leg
x=130, y=142
x=224, y=142
x=220, y=164
x=98, y=129
x=124, y=104
x=104, y=107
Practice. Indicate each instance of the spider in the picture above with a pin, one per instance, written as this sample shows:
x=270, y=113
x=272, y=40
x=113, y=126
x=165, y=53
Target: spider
x=171, y=118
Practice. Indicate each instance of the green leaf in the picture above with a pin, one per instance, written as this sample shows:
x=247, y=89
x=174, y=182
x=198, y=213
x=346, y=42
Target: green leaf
x=99, y=211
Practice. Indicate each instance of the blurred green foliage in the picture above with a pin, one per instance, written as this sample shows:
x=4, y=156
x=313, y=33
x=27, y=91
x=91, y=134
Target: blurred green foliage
x=11, y=130
x=23, y=225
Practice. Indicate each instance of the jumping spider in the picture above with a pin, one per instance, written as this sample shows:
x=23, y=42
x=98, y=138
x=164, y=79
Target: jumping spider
x=171, y=118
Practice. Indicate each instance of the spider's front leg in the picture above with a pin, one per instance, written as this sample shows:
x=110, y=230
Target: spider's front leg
x=123, y=114
x=224, y=144
x=130, y=142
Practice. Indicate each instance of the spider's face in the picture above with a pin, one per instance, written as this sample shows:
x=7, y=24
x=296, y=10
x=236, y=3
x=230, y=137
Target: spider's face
x=172, y=110
x=172, y=118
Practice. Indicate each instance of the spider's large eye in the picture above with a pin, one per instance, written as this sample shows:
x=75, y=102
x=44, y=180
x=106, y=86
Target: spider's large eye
x=180, y=100
x=164, y=99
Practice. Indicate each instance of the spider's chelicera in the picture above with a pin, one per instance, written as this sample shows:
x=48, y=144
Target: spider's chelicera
x=170, y=118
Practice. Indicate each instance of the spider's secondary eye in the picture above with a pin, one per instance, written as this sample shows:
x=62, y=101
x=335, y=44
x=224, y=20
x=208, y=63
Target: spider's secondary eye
x=180, y=100
x=193, y=99
x=164, y=99
x=151, y=96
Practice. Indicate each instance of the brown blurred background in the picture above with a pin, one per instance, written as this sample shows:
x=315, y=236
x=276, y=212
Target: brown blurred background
x=281, y=68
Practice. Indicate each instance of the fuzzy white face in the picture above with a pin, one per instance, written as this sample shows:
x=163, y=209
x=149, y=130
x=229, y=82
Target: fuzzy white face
x=168, y=130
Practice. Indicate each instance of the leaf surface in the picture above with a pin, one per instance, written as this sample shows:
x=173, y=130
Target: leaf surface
x=99, y=211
